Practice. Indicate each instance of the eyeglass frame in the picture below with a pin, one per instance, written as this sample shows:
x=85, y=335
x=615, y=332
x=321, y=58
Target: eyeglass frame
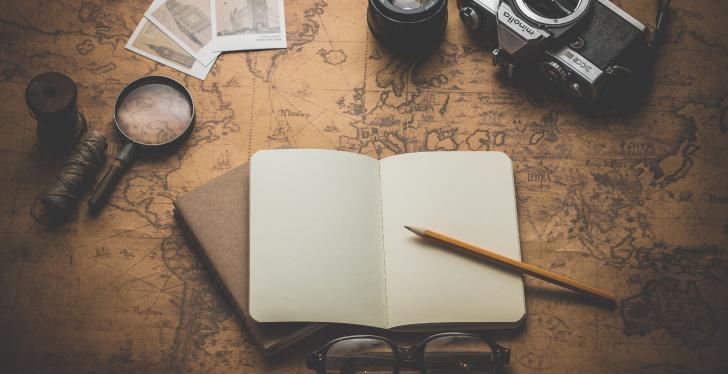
x=316, y=360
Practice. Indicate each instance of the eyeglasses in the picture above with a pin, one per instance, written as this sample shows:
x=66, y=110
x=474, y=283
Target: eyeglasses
x=447, y=353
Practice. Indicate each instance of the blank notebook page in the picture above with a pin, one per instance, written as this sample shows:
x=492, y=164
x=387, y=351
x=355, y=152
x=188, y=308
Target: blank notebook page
x=315, y=238
x=466, y=195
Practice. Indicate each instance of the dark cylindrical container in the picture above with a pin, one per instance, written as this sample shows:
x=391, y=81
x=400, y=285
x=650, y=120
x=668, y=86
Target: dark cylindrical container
x=407, y=25
x=52, y=101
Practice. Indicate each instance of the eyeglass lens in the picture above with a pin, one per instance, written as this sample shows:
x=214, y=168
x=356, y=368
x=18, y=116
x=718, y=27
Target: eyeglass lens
x=443, y=355
x=355, y=356
x=458, y=355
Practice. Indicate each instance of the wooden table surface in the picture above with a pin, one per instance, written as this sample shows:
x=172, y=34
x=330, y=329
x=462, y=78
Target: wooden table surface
x=633, y=203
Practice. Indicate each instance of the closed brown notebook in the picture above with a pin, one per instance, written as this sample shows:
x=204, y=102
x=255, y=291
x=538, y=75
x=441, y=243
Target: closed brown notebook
x=215, y=216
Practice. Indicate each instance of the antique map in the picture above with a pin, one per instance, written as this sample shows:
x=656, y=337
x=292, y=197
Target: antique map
x=634, y=203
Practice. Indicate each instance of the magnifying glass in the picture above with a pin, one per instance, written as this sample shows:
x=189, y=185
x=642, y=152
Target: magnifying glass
x=154, y=113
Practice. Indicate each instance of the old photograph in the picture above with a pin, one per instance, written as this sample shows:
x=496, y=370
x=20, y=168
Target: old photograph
x=188, y=23
x=248, y=24
x=149, y=41
x=247, y=17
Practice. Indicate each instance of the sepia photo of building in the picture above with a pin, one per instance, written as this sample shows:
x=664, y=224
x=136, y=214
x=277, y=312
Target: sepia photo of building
x=191, y=20
x=247, y=17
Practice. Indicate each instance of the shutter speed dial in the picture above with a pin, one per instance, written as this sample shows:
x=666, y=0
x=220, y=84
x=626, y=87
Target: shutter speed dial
x=557, y=75
x=554, y=73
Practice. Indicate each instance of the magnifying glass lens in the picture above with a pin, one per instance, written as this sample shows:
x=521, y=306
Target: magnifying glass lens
x=154, y=114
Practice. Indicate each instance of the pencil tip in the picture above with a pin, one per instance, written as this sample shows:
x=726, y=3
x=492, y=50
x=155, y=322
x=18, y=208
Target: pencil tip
x=416, y=230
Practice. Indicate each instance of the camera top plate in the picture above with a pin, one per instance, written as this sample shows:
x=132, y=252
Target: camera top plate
x=579, y=12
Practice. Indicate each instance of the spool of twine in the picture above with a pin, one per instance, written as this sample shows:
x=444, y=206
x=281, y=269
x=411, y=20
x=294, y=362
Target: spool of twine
x=52, y=100
x=75, y=178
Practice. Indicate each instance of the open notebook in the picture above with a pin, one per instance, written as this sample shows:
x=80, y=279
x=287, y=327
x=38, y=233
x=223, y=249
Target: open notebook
x=327, y=242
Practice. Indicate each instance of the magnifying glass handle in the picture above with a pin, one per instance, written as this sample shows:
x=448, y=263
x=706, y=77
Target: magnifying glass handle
x=107, y=184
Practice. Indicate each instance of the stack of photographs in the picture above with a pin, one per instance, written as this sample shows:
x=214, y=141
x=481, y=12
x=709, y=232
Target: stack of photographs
x=189, y=35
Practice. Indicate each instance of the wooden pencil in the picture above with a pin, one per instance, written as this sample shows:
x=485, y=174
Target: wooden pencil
x=514, y=265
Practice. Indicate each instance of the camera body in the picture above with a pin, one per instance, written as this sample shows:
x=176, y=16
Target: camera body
x=587, y=48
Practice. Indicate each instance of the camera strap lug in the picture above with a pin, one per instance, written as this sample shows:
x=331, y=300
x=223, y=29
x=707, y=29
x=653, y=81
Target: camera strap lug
x=505, y=64
x=496, y=57
x=615, y=69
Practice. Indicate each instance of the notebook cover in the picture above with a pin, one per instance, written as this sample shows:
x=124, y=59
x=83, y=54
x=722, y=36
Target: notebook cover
x=215, y=217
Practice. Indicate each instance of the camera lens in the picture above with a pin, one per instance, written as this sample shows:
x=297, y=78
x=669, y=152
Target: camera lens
x=407, y=24
x=409, y=4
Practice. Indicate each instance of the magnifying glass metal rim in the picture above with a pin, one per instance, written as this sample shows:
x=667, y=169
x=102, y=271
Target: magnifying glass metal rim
x=150, y=79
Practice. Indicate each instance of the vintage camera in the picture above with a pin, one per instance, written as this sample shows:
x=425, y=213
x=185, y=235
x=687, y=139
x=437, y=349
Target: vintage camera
x=587, y=48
